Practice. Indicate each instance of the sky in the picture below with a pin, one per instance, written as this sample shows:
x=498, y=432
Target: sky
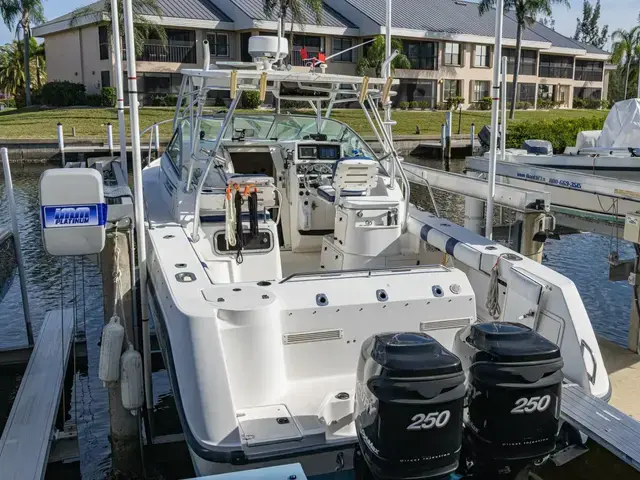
x=615, y=13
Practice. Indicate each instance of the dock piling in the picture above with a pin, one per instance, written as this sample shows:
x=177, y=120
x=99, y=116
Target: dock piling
x=124, y=433
x=110, y=138
x=443, y=135
x=16, y=242
x=473, y=137
x=61, y=142
x=448, y=135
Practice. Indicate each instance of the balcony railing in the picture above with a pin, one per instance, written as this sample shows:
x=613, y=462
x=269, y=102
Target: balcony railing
x=295, y=58
x=171, y=53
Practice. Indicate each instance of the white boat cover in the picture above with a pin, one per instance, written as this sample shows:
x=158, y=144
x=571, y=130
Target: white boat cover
x=588, y=139
x=622, y=127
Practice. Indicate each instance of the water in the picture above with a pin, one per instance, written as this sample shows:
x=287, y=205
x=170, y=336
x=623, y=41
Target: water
x=583, y=258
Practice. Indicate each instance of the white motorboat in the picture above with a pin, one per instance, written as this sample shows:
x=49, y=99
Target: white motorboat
x=613, y=151
x=278, y=245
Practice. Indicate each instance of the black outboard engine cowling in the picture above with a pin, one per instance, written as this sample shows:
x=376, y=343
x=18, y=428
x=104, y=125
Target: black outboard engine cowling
x=409, y=405
x=515, y=383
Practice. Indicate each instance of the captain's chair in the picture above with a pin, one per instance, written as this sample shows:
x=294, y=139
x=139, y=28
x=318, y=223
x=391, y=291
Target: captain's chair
x=352, y=177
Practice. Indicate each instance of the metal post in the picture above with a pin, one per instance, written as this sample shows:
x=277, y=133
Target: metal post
x=503, y=111
x=473, y=137
x=156, y=137
x=473, y=211
x=443, y=138
x=117, y=56
x=61, y=143
x=460, y=119
x=449, y=122
x=8, y=183
x=495, y=96
x=138, y=200
x=386, y=74
x=124, y=434
x=110, y=138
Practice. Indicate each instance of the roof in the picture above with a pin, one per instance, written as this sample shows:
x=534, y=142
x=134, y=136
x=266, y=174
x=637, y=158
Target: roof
x=200, y=9
x=329, y=18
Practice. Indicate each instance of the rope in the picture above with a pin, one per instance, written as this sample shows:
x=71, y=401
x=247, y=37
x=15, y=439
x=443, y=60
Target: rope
x=117, y=277
x=493, y=295
x=230, y=219
x=239, y=230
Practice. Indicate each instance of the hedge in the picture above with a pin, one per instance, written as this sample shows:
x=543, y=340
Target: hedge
x=63, y=94
x=108, y=97
x=560, y=132
x=251, y=99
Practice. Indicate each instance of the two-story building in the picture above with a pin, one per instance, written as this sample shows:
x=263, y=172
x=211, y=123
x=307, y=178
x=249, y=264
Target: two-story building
x=449, y=45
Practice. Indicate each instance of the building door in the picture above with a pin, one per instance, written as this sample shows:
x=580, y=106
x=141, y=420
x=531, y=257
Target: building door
x=244, y=47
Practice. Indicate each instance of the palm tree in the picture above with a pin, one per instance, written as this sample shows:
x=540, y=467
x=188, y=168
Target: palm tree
x=143, y=28
x=21, y=14
x=626, y=44
x=297, y=10
x=11, y=67
x=526, y=12
x=376, y=54
x=12, y=77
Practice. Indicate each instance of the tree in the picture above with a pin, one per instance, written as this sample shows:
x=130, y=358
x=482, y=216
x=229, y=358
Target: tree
x=297, y=10
x=526, y=12
x=626, y=46
x=587, y=29
x=143, y=28
x=375, y=56
x=12, y=77
x=20, y=15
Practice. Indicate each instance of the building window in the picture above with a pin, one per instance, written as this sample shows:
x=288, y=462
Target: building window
x=480, y=90
x=528, y=61
x=482, y=57
x=424, y=91
x=105, y=78
x=526, y=93
x=312, y=44
x=422, y=55
x=451, y=89
x=218, y=44
x=589, y=70
x=103, y=41
x=588, y=93
x=554, y=66
x=339, y=44
x=452, y=54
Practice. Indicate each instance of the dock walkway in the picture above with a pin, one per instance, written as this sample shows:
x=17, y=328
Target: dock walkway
x=26, y=439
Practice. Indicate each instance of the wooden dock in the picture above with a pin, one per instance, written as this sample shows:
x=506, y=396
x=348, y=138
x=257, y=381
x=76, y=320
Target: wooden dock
x=26, y=439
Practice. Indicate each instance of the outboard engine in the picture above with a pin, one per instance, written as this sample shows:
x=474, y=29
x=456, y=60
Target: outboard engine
x=514, y=387
x=409, y=405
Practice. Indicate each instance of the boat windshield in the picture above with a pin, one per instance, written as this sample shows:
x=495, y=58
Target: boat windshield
x=281, y=128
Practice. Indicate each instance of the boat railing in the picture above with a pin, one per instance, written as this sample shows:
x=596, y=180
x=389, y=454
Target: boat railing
x=366, y=272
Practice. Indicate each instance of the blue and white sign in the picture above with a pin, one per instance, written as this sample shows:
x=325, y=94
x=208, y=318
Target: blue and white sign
x=65, y=216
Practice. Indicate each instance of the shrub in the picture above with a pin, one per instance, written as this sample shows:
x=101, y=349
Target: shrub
x=578, y=102
x=94, y=100
x=560, y=132
x=485, y=103
x=251, y=99
x=170, y=100
x=424, y=104
x=63, y=94
x=453, y=102
x=108, y=97
x=9, y=102
x=414, y=105
x=524, y=105
x=293, y=105
x=442, y=106
x=404, y=105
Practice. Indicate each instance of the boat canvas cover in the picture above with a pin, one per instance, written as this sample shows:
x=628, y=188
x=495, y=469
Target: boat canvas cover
x=622, y=127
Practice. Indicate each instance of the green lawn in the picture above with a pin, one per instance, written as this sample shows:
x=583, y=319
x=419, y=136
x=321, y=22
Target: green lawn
x=91, y=122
